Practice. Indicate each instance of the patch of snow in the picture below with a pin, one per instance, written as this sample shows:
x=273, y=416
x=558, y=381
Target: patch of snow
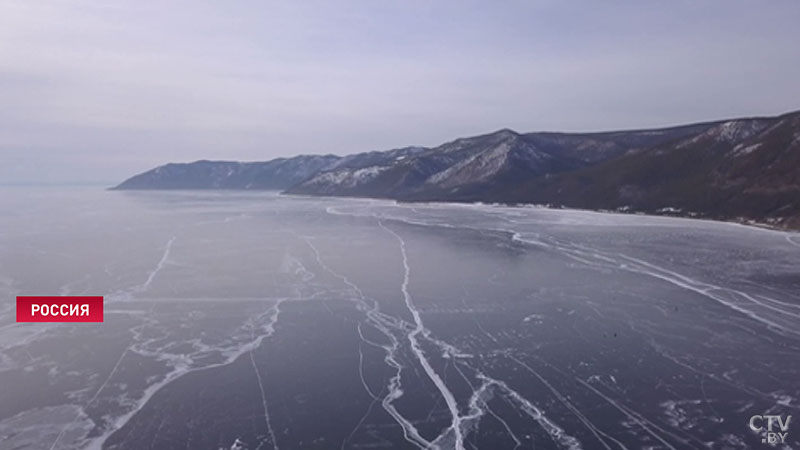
x=346, y=177
x=737, y=130
x=730, y=131
x=478, y=167
x=538, y=319
x=741, y=149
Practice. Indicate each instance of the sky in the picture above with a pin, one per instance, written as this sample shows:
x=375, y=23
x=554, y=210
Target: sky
x=96, y=91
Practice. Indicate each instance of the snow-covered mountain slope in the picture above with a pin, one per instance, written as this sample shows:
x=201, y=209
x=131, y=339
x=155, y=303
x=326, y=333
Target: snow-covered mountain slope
x=275, y=174
x=747, y=168
x=469, y=168
x=744, y=168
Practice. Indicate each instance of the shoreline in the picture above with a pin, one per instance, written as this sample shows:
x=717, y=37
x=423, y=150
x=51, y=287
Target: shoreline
x=691, y=215
x=744, y=222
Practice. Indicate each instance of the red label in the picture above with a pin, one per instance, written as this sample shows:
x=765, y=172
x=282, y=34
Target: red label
x=59, y=309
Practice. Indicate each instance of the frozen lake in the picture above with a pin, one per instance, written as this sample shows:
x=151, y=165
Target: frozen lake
x=239, y=320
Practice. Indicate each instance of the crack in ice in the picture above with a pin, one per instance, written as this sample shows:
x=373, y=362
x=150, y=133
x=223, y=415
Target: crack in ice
x=91, y=400
x=449, y=399
x=454, y=435
x=263, y=400
x=569, y=405
x=161, y=263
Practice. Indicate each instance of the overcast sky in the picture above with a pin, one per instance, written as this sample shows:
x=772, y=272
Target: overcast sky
x=95, y=91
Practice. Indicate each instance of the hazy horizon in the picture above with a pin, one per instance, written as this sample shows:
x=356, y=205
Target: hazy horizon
x=95, y=93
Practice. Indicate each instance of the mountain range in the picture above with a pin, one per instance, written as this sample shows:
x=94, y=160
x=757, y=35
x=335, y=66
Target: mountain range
x=744, y=169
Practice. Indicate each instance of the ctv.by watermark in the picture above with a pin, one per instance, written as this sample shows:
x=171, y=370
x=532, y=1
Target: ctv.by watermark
x=773, y=428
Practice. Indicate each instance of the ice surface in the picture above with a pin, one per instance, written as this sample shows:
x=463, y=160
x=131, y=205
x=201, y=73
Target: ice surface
x=258, y=321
